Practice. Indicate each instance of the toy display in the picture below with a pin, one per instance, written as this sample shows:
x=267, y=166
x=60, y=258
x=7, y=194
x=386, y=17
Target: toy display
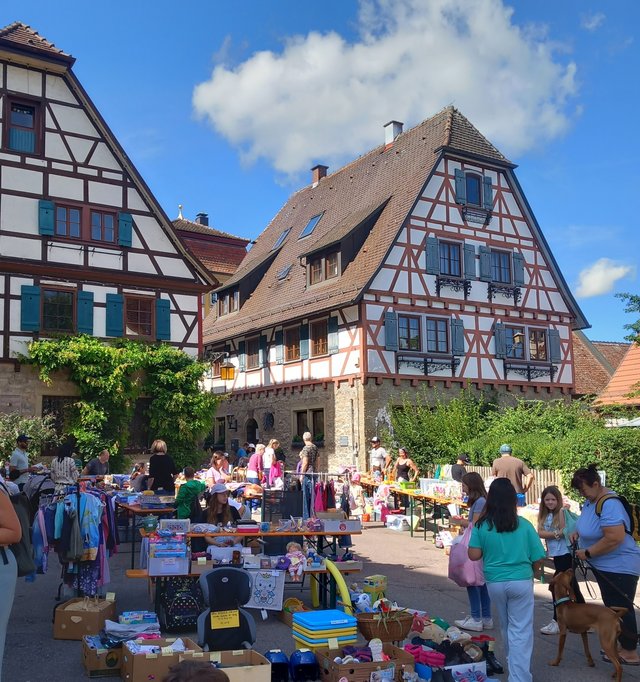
x=297, y=561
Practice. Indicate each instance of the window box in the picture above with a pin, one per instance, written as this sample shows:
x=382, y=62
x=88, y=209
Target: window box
x=505, y=290
x=530, y=370
x=430, y=363
x=454, y=283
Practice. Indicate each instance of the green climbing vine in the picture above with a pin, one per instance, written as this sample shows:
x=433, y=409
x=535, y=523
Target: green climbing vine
x=110, y=378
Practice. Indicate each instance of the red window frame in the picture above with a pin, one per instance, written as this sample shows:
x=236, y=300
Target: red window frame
x=292, y=344
x=319, y=338
x=435, y=343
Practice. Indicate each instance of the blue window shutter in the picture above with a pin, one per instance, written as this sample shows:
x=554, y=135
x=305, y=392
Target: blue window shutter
x=555, y=354
x=263, y=358
x=279, y=347
x=85, y=312
x=433, y=256
x=125, y=229
x=500, y=339
x=487, y=193
x=46, y=211
x=163, y=319
x=390, y=331
x=304, y=341
x=115, y=305
x=242, y=357
x=457, y=337
x=518, y=269
x=333, y=335
x=485, y=263
x=461, y=187
x=469, y=261
x=29, y=308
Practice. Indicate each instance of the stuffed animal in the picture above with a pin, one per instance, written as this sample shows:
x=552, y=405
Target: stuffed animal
x=297, y=561
x=362, y=603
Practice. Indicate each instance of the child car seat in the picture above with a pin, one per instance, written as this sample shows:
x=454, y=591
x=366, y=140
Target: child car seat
x=226, y=589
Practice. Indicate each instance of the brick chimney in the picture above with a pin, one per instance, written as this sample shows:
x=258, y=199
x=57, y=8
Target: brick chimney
x=203, y=219
x=317, y=173
x=391, y=131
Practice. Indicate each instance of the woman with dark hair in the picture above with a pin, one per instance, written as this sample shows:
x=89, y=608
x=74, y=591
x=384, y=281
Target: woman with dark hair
x=512, y=555
x=64, y=471
x=162, y=469
x=221, y=513
x=406, y=469
x=605, y=542
x=479, y=600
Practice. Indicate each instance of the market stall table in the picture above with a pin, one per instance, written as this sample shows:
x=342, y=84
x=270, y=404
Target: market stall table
x=439, y=504
x=136, y=510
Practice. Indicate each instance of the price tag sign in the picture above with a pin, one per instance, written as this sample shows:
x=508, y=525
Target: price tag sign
x=202, y=561
x=110, y=596
x=225, y=619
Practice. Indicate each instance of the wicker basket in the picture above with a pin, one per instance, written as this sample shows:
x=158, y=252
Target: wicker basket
x=390, y=627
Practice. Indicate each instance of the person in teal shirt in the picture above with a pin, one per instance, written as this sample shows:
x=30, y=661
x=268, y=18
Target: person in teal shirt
x=512, y=556
x=187, y=492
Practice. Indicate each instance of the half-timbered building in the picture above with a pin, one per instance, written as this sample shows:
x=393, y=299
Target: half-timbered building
x=419, y=263
x=84, y=245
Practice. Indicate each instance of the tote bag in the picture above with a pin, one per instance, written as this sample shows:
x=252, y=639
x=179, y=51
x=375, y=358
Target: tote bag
x=462, y=570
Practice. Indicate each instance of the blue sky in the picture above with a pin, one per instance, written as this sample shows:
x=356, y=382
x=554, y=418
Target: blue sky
x=224, y=107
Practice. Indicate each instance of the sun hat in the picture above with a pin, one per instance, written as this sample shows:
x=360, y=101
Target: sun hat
x=219, y=488
x=505, y=448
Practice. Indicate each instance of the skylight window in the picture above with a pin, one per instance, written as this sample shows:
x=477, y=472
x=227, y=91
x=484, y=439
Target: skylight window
x=311, y=226
x=284, y=272
x=280, y=239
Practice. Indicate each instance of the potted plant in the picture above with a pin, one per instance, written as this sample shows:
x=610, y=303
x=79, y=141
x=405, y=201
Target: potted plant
x=318, y=440
x=297, y=443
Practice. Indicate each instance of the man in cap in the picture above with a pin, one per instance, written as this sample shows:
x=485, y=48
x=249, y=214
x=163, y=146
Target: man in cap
x=19, y=468
x=508, y=466
x=379, y=458
x=458, y=470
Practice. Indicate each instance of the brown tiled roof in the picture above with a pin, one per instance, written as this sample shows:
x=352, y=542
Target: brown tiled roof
x=220, y=259
x=23, y=36
x=625, y=380
x=613, y=351
x=592, y=368
x=398, y=171
x=191, y=226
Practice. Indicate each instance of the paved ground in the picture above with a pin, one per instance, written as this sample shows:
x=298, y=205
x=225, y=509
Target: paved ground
x=417, y=578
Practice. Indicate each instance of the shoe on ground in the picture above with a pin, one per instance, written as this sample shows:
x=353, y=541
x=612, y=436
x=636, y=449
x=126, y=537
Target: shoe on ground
x=470, y=623
x=487, y=623
x=550, y=629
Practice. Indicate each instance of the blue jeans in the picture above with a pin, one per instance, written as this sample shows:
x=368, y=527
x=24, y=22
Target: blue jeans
x=479, y=602
x=307, y=497
x=513, y=603
x=254, y=504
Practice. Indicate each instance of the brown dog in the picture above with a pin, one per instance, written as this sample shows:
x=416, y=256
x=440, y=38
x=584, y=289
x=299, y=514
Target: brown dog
x=579, y=618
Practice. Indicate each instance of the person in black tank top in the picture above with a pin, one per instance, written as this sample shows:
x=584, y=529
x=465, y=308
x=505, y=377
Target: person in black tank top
x=405, y=465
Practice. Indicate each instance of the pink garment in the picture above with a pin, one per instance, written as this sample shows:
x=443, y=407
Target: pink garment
x=318, y=500
x=275, y=472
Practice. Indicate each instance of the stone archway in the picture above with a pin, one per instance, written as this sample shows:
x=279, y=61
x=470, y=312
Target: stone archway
x=251, y=428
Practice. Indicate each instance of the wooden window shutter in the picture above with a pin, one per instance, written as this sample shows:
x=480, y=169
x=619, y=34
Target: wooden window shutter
x=85, y=312
x=461, y=187
x=29, y=308
x=115, y=306
x=390, y=331
x=500, y=339
x=46, y=212
x=279, y=347
x=262, y=352
x=487, y=193
x=304, y=341
x=469, y=261
x=555, y=353
x=485, y=263
x=433, y=256
x=163, y=319
x=457, y=337
x=332, y=334
x=518, y=269
x=242, y=358
x=125, y=230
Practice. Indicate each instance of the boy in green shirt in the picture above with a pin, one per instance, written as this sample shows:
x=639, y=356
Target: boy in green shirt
x=187, y=492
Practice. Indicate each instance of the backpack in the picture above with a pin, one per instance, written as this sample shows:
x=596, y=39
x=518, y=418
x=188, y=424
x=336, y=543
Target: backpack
x=179, y=604
x=23, y=550
x=633, y=512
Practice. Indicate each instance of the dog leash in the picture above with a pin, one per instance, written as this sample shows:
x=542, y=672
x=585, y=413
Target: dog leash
x=579, y=567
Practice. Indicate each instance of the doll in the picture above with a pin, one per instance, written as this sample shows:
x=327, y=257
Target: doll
x=297, y=561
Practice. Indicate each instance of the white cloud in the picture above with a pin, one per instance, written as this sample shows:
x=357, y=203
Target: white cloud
x=592, y=22
x=324, y=100
x=600, y=277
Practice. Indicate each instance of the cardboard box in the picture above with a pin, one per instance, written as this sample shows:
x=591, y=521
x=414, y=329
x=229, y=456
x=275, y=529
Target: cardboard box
x=241, y=665
x=330, y=671
x=101, y=662
x=199, y=569
x=74, y=622
x=160, y=566
x=145, y=667
x=342, y=525
x=176, y=525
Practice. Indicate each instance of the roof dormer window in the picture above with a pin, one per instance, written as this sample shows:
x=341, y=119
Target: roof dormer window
x=280, y=240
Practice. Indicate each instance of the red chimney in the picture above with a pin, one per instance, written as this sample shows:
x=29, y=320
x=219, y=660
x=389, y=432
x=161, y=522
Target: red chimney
x=317, y=173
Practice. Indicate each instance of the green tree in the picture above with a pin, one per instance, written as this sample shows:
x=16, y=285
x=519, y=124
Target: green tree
x=632, y=306
x=41, y=430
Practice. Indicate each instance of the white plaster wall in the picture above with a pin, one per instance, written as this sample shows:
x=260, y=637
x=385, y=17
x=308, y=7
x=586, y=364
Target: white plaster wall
x=103, y=158
x=186, y=303
x=102, y=259
x=174, y=267
x=80, y=147
x=18, y=345
x=22, y=180
x=99, y=320
x=54, y=147
x=18, y=248
x=24, y=80
x=140, y=262
x=153, y=234
x=134, y=200
x=65, y=187
x=383, y=279
x=292, y=373
x=19, y=214
x=320, y=369
x=101, y=193
x=374, y=362
x=58, y=89
x=63, y=253
x=73, y=120
x=16, y=285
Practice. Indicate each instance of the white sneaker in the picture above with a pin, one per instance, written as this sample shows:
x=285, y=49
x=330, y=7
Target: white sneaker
x=469, y=623
x=550, y=629
x=487, y=623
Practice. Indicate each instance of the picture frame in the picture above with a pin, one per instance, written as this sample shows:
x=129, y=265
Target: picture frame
x=265, y=564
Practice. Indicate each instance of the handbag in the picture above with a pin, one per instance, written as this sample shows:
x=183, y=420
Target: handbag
x=462, y=570
x=570, y=521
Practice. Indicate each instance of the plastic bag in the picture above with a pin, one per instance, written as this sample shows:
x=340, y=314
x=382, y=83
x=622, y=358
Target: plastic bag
x=462, y=570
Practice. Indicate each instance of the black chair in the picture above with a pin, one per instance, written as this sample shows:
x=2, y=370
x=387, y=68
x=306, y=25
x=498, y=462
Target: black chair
x=226, y=589
x=276, y=505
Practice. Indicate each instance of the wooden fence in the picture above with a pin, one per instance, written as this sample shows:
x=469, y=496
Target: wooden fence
x=543, y=478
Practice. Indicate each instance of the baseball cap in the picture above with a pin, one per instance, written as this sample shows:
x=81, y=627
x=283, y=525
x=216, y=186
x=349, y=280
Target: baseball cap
x=219, y=488
x=464, y=457
x=23, y=437
x=375, y=439
x=505, y=448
